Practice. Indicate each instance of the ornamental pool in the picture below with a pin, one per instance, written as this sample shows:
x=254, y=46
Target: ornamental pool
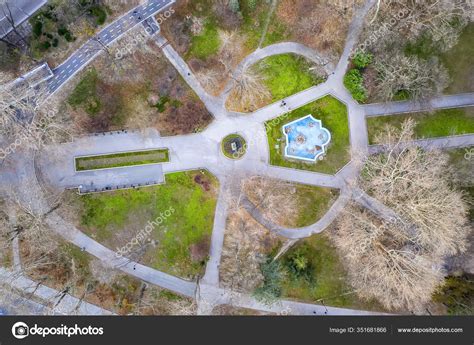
x=306, y=138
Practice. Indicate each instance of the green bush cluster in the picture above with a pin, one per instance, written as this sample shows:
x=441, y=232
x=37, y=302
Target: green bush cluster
x=234, y=6
x=85, y=94
x=48, y=28
x=457, y=294
x=362, y=60
x=162, y=103
x=252, y=4
x=354, y=82
x=298, y=265
x=273, y=275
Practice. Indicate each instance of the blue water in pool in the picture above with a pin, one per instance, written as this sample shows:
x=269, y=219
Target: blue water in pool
x=306, y=139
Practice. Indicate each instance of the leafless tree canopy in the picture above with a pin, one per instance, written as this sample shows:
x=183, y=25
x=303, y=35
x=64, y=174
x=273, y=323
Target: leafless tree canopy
x=24, y=119
x=399, y=262
x=249, y=90
x=245, y=245
x=416, y=184
x=393, y=23
x=435, y=17
x=421, y=79
x=384, y=263
x=276, y=199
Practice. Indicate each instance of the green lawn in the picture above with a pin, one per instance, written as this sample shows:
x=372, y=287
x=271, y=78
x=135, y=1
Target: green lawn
x=313, y=203
x=459, y=61
x=314, y=273
x=85, y=93
x=287, y=74
x=254, y=24
x=122, y=159
x=438, y=124
x=252, y=16
x=333, y=115
x=207, y=43
x=109, y=217
x=462, y=161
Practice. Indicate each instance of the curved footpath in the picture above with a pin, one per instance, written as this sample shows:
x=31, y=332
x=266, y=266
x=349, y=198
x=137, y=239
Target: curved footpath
x=202, y=151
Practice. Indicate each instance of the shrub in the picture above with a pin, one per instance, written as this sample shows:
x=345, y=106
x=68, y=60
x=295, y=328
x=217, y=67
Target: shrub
x=44, y=46
x=252, y=4
x=457, y=294
x=298, y=264
x=69, y=37
x=362, y=60
x=99, y=13
x=272, y=276
x=234, y=5
x=353, y=81
x=62, y=31
x=37, y=28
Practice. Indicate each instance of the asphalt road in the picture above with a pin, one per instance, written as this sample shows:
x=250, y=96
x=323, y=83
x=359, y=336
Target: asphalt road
x=105, y=37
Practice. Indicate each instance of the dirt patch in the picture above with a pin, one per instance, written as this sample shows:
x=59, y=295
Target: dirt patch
x=199, y=251
x=246, y=243
x=139, y=91
x=222, y=41
x=319, y=24
x=203, y=182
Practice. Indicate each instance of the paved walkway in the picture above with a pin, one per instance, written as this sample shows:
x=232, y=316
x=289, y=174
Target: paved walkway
x=202, y=151
x=303, y=232
x=108, y=257
x=454, y=142
x=20, y=11
x=443, y=102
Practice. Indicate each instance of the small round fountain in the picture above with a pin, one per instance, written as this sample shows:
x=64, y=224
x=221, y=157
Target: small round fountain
x=300, y=139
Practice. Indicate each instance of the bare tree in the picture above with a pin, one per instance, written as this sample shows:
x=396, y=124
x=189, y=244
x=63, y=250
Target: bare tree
x=421, y=79
x=383, y=262
x=433, y=17
x=231, y=49
x=23, y=121
x=276, y=199
x=16, y=101
x=399, y=262
x=249, y=90
x=416, y=184
x=152, y=302
x=242, y=253
x=208, y=78
x=16, y=38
